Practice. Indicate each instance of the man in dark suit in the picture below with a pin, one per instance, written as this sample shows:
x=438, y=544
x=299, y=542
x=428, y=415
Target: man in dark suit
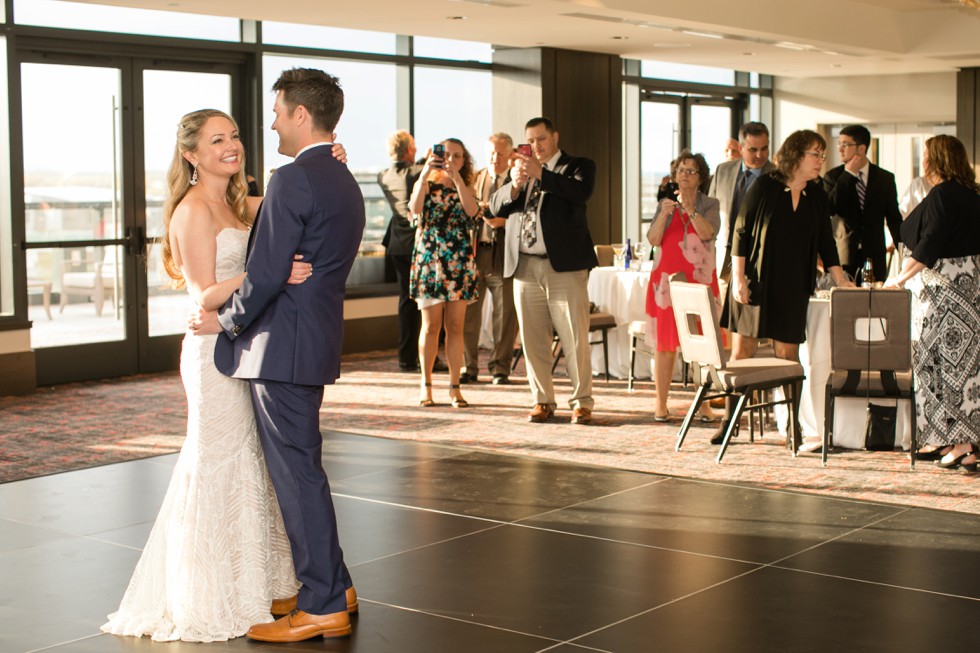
x=732, y=180
x=490, y=266
x=397, y=183
x=863, y=199
x=549, y=253
x=287, y=340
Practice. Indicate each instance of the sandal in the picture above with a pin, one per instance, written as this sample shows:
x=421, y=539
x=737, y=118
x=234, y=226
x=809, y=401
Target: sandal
x=661, y=418
x=427, y=402
x=458, y=402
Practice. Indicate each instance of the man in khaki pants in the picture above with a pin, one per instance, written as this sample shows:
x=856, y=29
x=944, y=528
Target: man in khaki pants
x=550, y=252
x=490, y=266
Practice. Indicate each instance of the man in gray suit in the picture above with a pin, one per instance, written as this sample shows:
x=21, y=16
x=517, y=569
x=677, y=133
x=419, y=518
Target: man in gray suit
x=490, y=265
x=287, y=339
x=731, y=181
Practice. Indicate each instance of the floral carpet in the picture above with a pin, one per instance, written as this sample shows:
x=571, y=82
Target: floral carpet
x=81, y=425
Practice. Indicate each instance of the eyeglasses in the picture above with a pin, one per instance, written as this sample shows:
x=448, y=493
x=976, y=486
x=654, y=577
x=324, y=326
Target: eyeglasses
x=844, y=145
x=687, y=171
x=819, y=155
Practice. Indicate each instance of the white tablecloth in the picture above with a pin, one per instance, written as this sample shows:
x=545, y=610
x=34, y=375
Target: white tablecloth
x=622, y=293
x=849, y=412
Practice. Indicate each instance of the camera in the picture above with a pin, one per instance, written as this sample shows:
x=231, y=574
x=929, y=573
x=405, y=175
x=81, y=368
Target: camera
x=670, y=190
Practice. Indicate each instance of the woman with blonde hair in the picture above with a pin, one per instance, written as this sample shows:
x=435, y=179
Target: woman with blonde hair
x=941, y=237
x=217, y=555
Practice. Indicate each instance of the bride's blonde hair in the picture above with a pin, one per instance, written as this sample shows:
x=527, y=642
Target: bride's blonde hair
x=179, y=182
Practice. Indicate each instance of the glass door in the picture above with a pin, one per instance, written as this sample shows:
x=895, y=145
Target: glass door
x=166, y=98
x=94, y=185
x=77, y=219
x=660, y=141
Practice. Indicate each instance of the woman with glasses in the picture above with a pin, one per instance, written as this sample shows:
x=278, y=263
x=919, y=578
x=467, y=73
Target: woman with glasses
x=942, y=269
x=683, y=234
x=782, y=226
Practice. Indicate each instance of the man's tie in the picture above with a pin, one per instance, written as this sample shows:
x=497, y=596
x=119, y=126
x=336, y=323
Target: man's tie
x=529, y=225
x=740, y=186
x=861, y=189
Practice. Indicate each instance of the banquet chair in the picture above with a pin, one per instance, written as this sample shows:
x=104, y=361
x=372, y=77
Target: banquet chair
x=604, y=253
x=93, y=280
x=598, y=321
x=638, y=334
x=865, y=364
x=696, y=315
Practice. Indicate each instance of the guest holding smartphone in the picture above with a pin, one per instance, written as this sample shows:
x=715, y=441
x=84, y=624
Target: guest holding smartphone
x=444, y=276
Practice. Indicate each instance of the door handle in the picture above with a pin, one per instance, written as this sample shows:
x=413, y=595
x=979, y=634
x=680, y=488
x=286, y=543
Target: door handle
x=135, y=241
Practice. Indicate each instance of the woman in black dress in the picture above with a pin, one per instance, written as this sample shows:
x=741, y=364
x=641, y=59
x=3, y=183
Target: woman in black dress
x=782, y=225
x=942, y=269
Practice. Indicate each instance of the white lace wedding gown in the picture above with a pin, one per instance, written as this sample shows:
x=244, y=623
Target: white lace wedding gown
x=218, y=552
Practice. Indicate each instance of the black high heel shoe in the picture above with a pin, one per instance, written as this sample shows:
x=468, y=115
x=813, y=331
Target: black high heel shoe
x=458, y=402
x=955, y=462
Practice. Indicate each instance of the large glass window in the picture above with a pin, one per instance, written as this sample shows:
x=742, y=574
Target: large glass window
x=453, y=103
x=328, y=38
x=710, y=131
x=369, y=117
x=427, y=46
x=101, y=18
x=687, y=73
x=659, y=142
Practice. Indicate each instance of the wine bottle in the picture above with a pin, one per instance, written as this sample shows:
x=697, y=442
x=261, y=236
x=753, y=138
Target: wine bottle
x=868, y=274
x=628, y=254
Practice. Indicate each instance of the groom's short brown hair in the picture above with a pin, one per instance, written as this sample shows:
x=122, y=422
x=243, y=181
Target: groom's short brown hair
x=319, y=92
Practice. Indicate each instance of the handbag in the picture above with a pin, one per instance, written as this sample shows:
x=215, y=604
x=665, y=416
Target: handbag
x=879, y=432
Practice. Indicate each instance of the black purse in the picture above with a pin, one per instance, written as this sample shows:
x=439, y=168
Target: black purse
x=879, y=432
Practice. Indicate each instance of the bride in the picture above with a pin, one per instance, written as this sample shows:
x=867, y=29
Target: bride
x=218, y=554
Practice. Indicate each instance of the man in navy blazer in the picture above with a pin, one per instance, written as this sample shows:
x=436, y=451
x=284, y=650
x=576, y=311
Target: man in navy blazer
x=287, y=340
x=549, y=252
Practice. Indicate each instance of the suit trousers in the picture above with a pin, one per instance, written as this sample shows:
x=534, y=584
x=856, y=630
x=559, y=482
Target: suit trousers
x=551, y=302
x=409, y=318
x=504, y=317
x=288, y=419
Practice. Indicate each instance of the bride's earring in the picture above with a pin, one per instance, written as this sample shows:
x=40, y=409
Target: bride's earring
x=194, y=176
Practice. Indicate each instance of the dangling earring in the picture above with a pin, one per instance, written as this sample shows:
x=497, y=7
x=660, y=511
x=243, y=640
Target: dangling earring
x=194, y=176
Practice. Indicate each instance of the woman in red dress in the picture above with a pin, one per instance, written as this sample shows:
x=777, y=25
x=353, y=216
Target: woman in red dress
x=683, y=235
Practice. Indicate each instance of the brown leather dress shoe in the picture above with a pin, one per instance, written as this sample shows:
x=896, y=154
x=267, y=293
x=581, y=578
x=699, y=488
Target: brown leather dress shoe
x=540, y=413
x=298, y=626
x=282, y=607
x=582, y=416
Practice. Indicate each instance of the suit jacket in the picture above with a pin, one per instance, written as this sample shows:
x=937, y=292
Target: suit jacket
x=854, y=227
x=397, y=183
x=294, y=333
x=565, y=191
x=483, y=188
x=723, y=189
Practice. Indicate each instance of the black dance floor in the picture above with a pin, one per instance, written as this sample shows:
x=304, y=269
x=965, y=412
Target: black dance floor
x=459, y=551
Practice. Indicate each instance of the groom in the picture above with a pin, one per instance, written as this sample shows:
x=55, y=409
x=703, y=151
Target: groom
x=287, y=339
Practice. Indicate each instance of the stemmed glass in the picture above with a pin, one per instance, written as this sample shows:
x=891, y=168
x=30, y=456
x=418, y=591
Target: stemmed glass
x=618, y=249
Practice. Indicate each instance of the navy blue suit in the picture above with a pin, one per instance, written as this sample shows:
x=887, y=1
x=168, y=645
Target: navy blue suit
x=287, y=340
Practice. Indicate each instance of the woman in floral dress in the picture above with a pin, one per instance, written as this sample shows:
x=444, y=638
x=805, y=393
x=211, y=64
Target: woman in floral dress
x=443, y=276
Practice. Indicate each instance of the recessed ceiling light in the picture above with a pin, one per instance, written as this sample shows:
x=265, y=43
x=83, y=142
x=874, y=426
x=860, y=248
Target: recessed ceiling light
x=455, y=17
x=748, y=54
x=836, y=65
x=619, y=38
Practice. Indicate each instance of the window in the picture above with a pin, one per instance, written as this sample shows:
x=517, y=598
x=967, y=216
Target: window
x=452, y=103
x=369, y=118
x=6, y=237
x=327, y=38
x=687, y=73
x=425, y=46
x=74, y=15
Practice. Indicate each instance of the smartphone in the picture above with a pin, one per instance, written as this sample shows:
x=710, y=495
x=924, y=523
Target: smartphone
x=439, y=150
x=524, y=149
x=670, y=190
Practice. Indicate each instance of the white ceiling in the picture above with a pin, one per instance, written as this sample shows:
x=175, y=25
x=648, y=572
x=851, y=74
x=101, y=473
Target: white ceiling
x=779, y=37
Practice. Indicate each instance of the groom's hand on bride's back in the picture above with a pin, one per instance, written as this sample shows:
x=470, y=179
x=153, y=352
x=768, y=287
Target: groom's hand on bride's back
x=201, y=322
x=338, y=151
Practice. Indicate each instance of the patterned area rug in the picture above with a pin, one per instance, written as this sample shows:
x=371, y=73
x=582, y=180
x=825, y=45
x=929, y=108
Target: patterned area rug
x=81, y=425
